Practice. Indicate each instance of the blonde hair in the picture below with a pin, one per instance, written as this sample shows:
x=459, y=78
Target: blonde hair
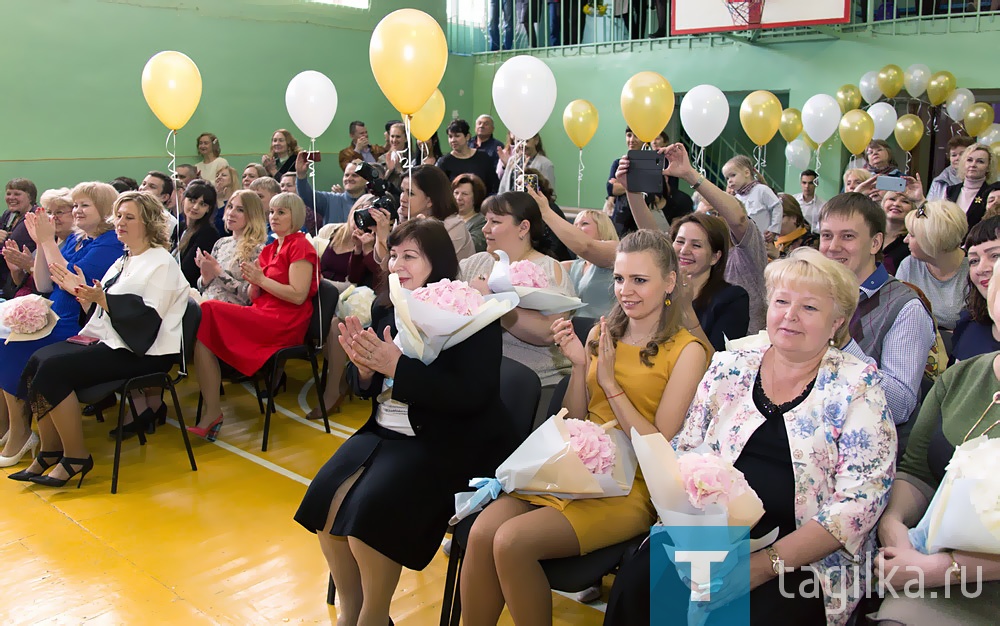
x=294, y=204
x=991, y=162
x=605, y=228
x=861, y=174
x=255, y=233
x=257, y=167
x=151, y=214
x=809, y=268
x=268, y=184
x=61, y=195
x=235, y=182
x=340, y=234
x=939, y=227
x=103, y=196
x=744, y=162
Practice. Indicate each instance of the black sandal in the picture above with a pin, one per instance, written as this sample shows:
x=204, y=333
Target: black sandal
x=86, y=465
x=25, y=476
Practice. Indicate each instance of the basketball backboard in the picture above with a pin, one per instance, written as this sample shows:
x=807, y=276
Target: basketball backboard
x=690, y=17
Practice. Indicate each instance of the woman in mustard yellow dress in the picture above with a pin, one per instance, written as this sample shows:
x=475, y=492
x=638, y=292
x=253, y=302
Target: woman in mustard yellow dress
x=641, y=366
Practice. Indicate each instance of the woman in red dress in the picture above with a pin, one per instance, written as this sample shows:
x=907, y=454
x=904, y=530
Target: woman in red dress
x=282, y=285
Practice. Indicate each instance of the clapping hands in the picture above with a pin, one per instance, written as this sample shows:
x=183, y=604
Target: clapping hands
x=209, y=266
x=568, y=343
x=17, y=258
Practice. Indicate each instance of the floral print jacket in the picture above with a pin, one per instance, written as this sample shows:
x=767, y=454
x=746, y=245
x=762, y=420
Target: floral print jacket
x=843, y=449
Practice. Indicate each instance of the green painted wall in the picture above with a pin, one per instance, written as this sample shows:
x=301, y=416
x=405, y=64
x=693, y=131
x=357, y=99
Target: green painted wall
x=73, y=107
x=796, y=69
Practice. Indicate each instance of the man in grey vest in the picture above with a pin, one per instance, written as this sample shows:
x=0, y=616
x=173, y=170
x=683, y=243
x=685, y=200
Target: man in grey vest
x=891, y=324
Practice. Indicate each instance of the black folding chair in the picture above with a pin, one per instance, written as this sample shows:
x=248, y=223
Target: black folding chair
x=97, y=393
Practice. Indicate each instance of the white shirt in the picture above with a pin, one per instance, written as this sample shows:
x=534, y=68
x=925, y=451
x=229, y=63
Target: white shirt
x=763, y=207
x=810, y=210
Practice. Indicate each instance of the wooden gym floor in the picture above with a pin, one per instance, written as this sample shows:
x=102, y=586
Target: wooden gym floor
x=216, y=546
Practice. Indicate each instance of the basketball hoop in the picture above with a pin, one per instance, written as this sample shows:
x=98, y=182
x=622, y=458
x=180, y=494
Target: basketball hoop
x=745, y=12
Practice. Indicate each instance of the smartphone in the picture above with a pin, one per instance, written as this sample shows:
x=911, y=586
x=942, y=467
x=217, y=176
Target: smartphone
x=80, y=340
x=645, y=171
x=315, y=157
x=530, y=180
x=890, y=183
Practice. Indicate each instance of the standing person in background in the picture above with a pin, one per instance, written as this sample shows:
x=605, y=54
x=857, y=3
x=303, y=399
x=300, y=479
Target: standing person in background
x=854, y=177
x=949, y=175
x=392, y=160
x=809, y=202
x=211, y=162
x=761, y=204
x=496, y=23
x=616, y=191
x=284, y=149
x=534, y=157
x=978, y=168
x=465, y=160
x=470, y=192
x=360, y=149
x=484, y=140
x=430, y=150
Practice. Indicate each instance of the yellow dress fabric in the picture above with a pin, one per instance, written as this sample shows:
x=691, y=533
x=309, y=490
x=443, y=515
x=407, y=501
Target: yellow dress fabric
x=601, y=522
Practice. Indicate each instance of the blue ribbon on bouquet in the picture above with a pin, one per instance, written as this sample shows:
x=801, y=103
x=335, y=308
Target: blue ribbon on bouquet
x=487, y=490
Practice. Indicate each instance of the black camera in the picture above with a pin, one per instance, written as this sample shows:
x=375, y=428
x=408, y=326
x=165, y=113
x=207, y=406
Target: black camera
x=383, y=197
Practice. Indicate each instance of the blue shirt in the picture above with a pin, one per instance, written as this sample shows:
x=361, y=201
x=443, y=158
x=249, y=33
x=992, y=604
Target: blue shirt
x=971, y=339
x=94, y=257
x=333, y=208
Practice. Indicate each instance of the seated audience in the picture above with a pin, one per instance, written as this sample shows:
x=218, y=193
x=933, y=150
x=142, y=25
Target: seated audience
x=331, y=207
x=91, y=249
x=937, y=264
x=807, y=424
x=809, y=202
x=853, y=178
x=58, y=205
x=879, y=159
x=795, y=230
x=209, y=151
x=266, y=188
x=949, y=175
x=593, y=283
x=648, y=389
x=484, y=140
x=430, y=150
x=977, y=169
x=392, y=469
x=360, y=149
x=470, y=192
x=227, y=183
x=124, y=183
x=220, y=277
x=464, y=160
x=284, y=150
x=162, y=186
x=21, y=195
x=897, y=206
x=976, y=332
x=427, y=193
x=286, y=183
x=722, y=310
x=993, y=201
x=136, y=313
x=252, y=172
x=198, y=235
x=534, y=158
x=396, y=156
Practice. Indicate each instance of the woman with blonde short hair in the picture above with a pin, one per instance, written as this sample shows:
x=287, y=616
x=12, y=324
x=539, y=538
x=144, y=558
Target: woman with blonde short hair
x=977, y=168
x=937, y=264
x=854, y=177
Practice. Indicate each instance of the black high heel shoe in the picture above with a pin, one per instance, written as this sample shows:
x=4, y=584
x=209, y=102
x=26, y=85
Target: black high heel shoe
x=26, y=476
x=86, y=465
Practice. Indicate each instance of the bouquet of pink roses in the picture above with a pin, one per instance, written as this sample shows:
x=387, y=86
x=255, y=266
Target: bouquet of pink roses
x=531, y=285
x=26, y=318
x=442, y=314
x=568, y=458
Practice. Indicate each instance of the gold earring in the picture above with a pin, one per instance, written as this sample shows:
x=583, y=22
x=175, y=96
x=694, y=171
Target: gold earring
x=666, y=301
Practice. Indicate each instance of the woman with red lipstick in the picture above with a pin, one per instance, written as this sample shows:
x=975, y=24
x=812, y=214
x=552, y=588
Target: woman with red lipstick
x=975, y=332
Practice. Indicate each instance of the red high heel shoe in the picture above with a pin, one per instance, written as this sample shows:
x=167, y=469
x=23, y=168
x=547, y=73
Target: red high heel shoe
x=210, y=433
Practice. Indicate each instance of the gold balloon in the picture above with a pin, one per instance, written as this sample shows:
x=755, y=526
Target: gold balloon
x=791, y=124
x=995, y=149
x=408, y=54
x=978, y=119
x=909, y=130
x=425, y=122
x=856, y=130
x=849, y=98
x=760, y=115
x=580, y=122
x=940, y=87
x=809, y=141
x=890, y=80
x=647, y=104
x=171, y=84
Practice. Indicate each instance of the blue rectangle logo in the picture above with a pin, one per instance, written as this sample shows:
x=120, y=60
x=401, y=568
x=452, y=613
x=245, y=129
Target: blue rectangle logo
x=699, y=575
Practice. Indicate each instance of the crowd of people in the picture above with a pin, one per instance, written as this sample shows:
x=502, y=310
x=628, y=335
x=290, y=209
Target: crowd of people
x=863, y=301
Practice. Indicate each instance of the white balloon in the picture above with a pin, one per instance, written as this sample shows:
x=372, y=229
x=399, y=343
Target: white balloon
x=798, y=154
x=704, y=113
x=524, y=93
x=821, y=117
x=884, y=115
x=991, y=135
x=311, y=100
x=959, y=103
x=915, y=79
x=870, y=90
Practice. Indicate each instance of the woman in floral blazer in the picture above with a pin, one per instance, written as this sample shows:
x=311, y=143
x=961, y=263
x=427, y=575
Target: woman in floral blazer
x=808, y=426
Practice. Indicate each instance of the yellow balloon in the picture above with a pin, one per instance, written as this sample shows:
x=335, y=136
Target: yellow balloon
x=425, y=122
x=580, y=122
x=890, y=80
x=791, y=124
x=760, y=115
x=909, y=130
x=940, y=87
x=809, y=141
x=856, y=130
x=978, y=119
x=849, y=98
x=995, y=149
x=408, y=54
x=647, y=105
x=171, y=84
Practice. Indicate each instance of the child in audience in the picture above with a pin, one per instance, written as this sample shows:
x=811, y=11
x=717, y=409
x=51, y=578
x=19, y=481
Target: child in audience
x=762, y=205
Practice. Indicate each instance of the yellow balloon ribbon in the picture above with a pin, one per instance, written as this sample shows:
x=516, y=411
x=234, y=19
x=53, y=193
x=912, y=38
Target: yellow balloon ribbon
x=909, y=130
x=849, y=98
x=856, y=130
x=760, y=115
x=580, y=121
x=791, y=124
x=647, y=105
x=978, y=119
x=425, y=122
x=171, y=84
x=408, y=54
x=940, y=87
x=890, y=80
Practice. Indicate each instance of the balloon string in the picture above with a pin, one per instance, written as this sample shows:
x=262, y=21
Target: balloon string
x=909, y=158
x=934, y=118
x=699, y=159
x=579, y=178
x=818, y=162
x=759, y=157
x=171, y=147
x=424, y=151
x=518, y=165
x=316, y=275
x=409, y=163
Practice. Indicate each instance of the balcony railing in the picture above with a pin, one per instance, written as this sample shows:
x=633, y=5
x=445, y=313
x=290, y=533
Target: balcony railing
x=469, y=26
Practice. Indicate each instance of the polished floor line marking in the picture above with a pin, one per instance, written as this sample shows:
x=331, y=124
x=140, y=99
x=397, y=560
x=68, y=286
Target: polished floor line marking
x=336, y=429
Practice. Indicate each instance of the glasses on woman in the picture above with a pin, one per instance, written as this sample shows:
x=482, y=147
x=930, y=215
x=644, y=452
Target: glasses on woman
x=58, y=213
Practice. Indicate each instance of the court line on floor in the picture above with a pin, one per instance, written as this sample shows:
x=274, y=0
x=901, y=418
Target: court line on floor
x=335, y=429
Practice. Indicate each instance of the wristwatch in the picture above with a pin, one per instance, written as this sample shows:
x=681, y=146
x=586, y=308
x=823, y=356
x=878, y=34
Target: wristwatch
x=777, y=563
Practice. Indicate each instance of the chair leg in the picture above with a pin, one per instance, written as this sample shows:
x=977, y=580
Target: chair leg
x=451, y=604
x=180, y=421
x=269, y=407
x=257, y=392
x=319, y=389
x=118, y=442
x=331, y=592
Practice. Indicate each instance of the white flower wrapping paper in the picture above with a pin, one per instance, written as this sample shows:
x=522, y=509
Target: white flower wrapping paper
x=542, y=299
x=964, y=513
x=546, y=465
x=51, y=319
x=356, y=301
x=423, y=330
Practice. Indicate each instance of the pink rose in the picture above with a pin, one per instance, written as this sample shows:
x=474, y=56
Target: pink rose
x=26, y=315
x=451, y=295
x=592, y=445
x=710, y=479
x=527, y=274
